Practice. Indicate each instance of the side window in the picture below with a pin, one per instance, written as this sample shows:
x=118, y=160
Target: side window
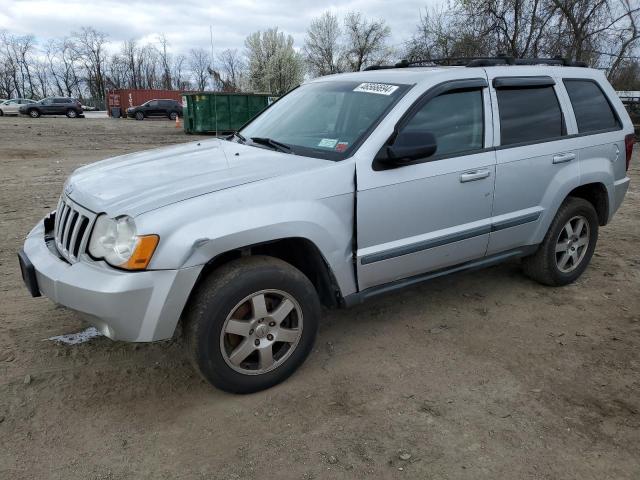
x=456, y=120
x=591, y=108
x=152, y=104
x=530, y=114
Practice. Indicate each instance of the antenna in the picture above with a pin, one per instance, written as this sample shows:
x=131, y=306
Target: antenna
x=211, y=60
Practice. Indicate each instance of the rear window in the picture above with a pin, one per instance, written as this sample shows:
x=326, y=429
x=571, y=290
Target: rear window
x=592, y=109
x=530, y=114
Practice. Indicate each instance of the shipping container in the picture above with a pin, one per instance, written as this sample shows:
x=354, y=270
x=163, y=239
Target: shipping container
x=215, y=112
x=119, y=100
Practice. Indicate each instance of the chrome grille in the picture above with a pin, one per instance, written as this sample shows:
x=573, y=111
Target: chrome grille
x=72, y=229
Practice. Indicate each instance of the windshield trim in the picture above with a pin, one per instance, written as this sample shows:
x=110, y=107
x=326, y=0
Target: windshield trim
x=333, y=155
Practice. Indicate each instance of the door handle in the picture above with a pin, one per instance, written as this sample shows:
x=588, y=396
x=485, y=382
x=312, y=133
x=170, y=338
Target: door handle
x=473, y=176
x=563, y=157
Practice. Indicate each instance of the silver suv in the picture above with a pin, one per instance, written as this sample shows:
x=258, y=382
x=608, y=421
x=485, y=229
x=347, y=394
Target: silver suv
x=350, y=186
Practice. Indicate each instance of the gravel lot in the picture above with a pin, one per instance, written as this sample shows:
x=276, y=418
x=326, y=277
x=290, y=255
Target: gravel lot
x=484, y=375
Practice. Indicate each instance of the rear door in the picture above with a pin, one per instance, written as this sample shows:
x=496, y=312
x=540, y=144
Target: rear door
x=435, y=212
x=536, y=164
x=61, y=105
x=599, y=129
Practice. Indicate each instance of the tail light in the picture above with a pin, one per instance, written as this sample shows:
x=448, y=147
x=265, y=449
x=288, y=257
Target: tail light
x=629, y=140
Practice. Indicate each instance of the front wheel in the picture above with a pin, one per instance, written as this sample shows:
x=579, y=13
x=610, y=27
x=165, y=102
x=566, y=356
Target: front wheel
x=173, y=115
x=139, y=116
x=568, y=245
x=71, y=113
x=252, y=323
x=34, y=113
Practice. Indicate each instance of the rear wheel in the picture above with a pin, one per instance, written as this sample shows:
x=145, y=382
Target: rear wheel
x=33, y=113
x=568, y=245
x=139, y=116
x=71, y=113
x=252, y=323
x=173, y=115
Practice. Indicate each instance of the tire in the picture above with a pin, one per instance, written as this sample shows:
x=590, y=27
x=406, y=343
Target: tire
x=173, y=115
x=33, y=113
x=139, y=116
x=71, y=113
x=1, y=113
x=562, y=258
x=235, y=289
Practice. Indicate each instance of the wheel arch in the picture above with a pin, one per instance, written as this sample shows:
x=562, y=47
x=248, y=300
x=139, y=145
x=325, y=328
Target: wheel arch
x=299, y=252
x=597, y=194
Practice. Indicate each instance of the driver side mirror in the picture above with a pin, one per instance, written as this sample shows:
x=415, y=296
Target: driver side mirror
x=409, y=146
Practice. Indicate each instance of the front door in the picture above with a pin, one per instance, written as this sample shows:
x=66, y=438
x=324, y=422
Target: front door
x=47, y=106
x=434, y=212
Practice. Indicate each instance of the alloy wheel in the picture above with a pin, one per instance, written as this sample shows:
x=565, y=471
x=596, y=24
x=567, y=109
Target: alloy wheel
x=572, y=244
x=261, y=332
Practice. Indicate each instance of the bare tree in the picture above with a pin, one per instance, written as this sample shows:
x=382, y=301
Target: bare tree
x=165, y=60
x=323, y=49
x=232, y=70
x=603, y=33
x=199, y=65
x=516, y=27
x=61, y=67
x=366, y=41
x=89, y=45
x=178, y=72
x=443, y=32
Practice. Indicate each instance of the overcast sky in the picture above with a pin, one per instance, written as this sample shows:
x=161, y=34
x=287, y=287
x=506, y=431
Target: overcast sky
x=186, y=23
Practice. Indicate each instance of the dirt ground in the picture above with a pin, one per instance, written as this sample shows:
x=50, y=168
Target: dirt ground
x=485, y=375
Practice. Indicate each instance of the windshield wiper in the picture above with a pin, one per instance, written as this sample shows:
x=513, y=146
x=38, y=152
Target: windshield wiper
x=269, y=142
x=238, y=136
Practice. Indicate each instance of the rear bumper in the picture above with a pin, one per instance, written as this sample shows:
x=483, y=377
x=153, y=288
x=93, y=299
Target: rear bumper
x=620, y=188
x=130, y=306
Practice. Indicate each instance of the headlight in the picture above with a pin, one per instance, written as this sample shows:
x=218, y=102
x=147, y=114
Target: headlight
x=115, y=240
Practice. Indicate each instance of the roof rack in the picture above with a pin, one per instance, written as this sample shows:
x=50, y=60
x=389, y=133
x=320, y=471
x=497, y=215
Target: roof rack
x=481, y=62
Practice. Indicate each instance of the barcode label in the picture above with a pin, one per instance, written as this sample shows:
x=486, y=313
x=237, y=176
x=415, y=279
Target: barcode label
x=379, y=88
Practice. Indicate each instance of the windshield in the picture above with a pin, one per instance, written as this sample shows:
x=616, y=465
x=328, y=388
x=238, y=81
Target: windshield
x=324, y=119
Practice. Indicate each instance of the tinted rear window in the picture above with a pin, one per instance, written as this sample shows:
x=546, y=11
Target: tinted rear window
x=590, y=106
x=529, y=115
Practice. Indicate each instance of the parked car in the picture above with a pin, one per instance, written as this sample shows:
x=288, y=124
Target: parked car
x=349, y=187
x=11, y=107
x=53, y=106
x=156, y=108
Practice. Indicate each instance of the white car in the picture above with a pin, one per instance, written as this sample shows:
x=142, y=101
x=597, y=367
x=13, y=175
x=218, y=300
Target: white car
x=10, y=107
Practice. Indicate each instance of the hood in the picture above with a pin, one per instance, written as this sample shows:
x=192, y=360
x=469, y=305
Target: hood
x=136, y=183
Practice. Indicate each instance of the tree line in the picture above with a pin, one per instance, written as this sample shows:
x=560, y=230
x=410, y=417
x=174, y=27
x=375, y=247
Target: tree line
x=603, y=33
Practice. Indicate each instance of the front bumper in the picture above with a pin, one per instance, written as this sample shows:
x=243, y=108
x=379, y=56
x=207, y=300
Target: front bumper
x=131, y=306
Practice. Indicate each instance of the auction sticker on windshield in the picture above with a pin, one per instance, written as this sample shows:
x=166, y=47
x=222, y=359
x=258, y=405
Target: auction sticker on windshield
x=328, y=142
x=379, y=88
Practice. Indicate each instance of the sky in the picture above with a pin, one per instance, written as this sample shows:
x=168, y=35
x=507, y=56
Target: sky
x=186, y=23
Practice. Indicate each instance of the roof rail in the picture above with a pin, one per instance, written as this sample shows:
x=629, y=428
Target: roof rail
x=500, y=59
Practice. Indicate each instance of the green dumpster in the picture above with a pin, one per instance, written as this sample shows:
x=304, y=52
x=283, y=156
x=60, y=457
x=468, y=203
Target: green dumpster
x=214, y=112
